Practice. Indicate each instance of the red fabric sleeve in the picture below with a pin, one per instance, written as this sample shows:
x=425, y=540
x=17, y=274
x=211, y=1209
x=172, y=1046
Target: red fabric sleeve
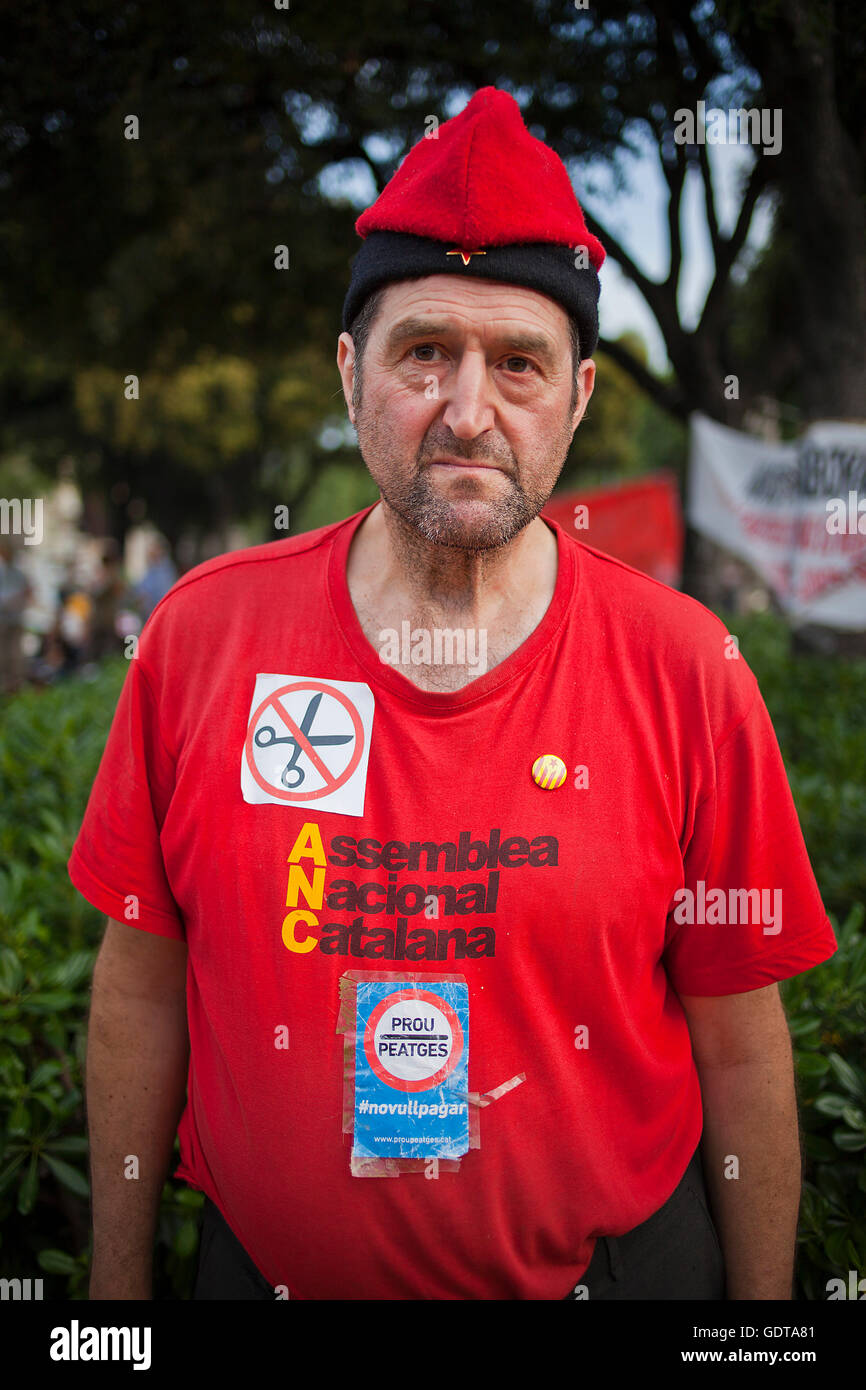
x=116, y=861
x=747, y=835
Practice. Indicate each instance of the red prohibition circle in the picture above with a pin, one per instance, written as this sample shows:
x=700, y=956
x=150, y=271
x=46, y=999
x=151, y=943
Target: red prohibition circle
x=398, y=1083
x=331, y=783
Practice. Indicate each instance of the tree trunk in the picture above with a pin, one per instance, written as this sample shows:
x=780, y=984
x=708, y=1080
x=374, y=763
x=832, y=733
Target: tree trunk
x=821, y=173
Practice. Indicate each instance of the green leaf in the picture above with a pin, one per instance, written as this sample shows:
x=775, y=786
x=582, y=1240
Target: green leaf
x=186, y=1240
x=57, y=1262
x=812, y=1064
x=804, y=1026
x=849, y=1141
x=11, y=972
x=832, y=1188
x=19, y=1119
x=846, y=1075
x=831, y=1104
x=836, y=1247
x=10, y=1169
x=70, y=1177
x=44, y=1072
x=29, y=1187
x=48, y=1001
x=72, y=971
x=188, y=1197
x=72, y=1144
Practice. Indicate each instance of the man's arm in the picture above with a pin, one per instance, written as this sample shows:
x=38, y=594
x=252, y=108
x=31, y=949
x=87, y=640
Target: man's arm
x=742, y=1050
x=137, y=1056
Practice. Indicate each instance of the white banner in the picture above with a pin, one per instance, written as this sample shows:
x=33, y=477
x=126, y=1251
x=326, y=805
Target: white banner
x=796, y=512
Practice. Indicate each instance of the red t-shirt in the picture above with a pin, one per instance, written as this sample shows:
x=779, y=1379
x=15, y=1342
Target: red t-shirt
x=560, y=906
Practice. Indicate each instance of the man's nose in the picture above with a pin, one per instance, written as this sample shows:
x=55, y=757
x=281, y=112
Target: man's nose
x=469, y=407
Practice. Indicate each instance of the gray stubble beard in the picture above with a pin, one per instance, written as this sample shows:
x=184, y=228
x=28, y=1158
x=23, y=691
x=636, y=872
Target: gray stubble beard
x=432, y=517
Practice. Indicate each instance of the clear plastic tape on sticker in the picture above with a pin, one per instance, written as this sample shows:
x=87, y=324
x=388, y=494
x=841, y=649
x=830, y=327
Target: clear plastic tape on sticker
x=407, y=1107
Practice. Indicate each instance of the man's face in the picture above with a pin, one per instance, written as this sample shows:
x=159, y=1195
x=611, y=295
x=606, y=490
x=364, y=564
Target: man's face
x=465, y=416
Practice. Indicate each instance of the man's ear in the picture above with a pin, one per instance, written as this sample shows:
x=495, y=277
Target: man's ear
x=585, y=387
x=346, y=368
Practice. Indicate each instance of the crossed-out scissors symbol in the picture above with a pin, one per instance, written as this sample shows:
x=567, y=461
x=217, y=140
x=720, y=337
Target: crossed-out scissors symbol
x=320, y=740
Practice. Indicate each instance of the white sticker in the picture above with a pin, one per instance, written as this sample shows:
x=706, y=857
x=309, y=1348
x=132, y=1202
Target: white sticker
x=413, y=1040
x=308, y=743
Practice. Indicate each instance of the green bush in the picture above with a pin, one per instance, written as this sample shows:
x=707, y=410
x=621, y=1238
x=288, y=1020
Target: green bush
x=827, y=1018
x=50, y=744
x=51, y=741
x=817, y=707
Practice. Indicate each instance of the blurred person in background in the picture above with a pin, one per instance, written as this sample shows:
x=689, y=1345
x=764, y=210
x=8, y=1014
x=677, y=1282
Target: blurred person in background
x=158, y=578
x=15, y=594
x=107, y=596
x=72, y=629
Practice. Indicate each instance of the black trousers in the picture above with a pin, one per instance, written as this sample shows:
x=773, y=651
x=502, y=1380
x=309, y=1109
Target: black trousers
x=675, y=1254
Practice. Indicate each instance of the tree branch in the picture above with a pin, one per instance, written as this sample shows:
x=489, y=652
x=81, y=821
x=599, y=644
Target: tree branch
x=710, y=203
x=730, y=247
x=663, y=393
x=675, y=176
x=650, y=289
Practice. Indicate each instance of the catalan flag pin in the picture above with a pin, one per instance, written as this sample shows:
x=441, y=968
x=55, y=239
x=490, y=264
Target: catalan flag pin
x=548, y=771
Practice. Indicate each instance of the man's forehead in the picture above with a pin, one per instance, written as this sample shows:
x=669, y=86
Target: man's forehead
x=462, y=301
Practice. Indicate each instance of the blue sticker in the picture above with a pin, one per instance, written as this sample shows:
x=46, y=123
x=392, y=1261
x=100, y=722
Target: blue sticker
x=411, y=1069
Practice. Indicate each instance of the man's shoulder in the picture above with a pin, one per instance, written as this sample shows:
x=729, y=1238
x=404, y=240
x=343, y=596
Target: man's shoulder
x=636, y=598
x=242, y=569
x=663, y=641
x=229, y=593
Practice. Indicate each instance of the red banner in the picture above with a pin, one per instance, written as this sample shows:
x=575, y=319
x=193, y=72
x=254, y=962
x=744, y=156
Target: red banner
x=638, y=522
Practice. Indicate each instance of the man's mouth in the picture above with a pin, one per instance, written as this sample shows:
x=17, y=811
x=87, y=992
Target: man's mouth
x=461, y=463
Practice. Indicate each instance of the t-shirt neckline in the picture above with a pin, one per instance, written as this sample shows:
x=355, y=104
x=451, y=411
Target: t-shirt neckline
x=384, y=675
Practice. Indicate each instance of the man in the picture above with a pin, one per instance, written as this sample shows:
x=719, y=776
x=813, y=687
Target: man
x=473, y=963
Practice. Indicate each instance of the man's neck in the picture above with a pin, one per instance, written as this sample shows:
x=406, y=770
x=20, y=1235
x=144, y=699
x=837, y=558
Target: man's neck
x=394, y=576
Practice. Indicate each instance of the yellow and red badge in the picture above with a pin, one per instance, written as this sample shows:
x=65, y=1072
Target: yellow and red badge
x=548, y=771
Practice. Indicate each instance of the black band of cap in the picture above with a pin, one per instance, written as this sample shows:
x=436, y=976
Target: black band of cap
x=538, y=265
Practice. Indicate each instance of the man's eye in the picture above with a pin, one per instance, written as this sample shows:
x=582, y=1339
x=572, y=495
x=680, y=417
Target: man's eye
x=509, y=361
